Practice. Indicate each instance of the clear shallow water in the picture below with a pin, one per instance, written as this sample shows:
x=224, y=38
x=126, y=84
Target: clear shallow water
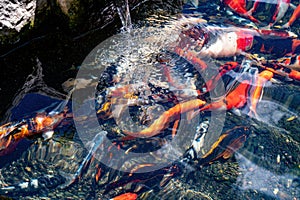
x=267, y=166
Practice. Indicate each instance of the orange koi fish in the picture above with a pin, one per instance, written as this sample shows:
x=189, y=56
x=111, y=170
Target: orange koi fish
x=126, y=196
x=294, y=17
x=168, y=116
x=263, y=77
x=226, y=145
x=123, y=91
x=12, y=133
x=235, y=99
x=284, y=71
x=105, y=111
x=140, y=166
x=295, y=75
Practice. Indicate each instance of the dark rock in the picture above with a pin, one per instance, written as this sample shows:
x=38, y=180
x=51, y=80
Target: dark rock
x=60, y=34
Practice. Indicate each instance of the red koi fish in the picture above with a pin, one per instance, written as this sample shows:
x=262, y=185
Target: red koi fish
x=196, y=42
x=239, y=6
x=126, y=196
x=281, y=8
x=234, y=100
x=294, y=17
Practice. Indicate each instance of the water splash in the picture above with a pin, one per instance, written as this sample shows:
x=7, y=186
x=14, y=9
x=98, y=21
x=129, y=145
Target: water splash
x=124, y=14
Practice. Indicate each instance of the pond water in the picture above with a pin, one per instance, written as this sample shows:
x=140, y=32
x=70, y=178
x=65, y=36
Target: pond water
x=202, y=104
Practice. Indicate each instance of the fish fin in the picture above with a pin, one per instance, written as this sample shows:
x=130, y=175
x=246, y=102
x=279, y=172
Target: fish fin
x=236, y=112
x=293, y=6
x=127, y=138
x=276, y=81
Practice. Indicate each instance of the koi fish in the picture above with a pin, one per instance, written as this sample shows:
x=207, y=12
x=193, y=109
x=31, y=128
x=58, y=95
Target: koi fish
x=284, y=71
x=211, y=84
x=292, y=62
x=126, y=196
x=282, y=7
x=33, y=185
x=192, y=57
x=295, y=75
x=277, y=46
x=263, y=77
x=239, y=6
x=71, y=178
x=235, y=99
x=226, y=145
x=144, y=178
x=166, y=118
x=229, y=44
x=198, y=142
x=216, y=42
x=253, y=9
x=294, y=17
x=13, y=133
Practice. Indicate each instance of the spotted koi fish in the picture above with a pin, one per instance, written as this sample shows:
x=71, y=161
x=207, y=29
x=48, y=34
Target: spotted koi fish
x=239, y=7
x=292, y=62
x=209, y=41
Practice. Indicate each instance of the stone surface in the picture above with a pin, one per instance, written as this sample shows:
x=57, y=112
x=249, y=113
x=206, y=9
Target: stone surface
x=16, y=14
x=20, y=18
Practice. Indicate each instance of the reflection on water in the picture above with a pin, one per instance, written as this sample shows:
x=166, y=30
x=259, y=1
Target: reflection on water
x=271, y=113
x=254, y=177
x=145, y=74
